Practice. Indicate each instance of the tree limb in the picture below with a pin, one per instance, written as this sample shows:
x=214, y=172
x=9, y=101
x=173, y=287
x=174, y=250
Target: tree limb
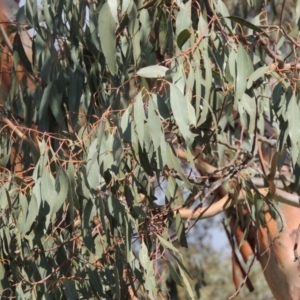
x=226, y=202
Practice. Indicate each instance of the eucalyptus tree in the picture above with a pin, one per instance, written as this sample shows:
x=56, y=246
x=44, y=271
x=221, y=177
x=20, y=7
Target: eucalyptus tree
x=98, y=120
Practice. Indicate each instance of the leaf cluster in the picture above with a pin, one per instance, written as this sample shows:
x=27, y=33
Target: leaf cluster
x=120, y=87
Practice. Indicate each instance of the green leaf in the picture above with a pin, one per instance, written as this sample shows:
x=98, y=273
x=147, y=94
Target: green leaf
x=48, y=18
x=183, y=36
x=247, y=104
x=43, y=107
x=125, y=121
x=113, y=5
x=207, y=83
x=152, y=71
x=61, y=187
x=73, y=197
x=175, y=276
x=145, y=26
x=178, y=73
x=18, y=47
x=95, y=280
x=5, y=148
x=260, y=72
x=178, y=258
x=163, y=109
x=93, y=166
x=173, y=162
x=106, y=31
x=55, y=105
x=31, y=214
x=139, y=117
x=154, y=123
x=293, y=127
x=187, y=283
x=116, y=209
x=144, y=256
x=223, y=11
x=247, y=24
x=126, y=6
x=166, y=243
x=184, y=112
x=70, y=289
x=134, y=32
x=75, y=94
x=244, y=68
x=4, y=284
x=183, y=20
x=180, y=231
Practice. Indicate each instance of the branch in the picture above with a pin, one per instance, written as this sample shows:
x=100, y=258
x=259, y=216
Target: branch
x=206, y=168
x=20, y=134
x=210, y=211
x=226, y=202
x=200, y=164
x=278, y=61
x=15, y=129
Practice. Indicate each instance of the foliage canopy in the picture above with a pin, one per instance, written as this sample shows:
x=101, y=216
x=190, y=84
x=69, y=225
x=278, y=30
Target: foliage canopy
x=120, y=86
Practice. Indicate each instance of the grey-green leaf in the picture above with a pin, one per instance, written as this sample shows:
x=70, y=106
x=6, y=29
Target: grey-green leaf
x=260, y=72
x=152, y=71
x=183, y=36
x=106, y=31
x=247, y=24
x=184, y=112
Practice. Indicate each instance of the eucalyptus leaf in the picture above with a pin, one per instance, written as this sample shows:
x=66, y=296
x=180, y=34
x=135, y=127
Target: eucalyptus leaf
x=260, y=72
x=152, y=71
x=244, y=68
x=294, y=133
x=184, y=113
x=106, y=30
x=247, y=24
x=183, y=37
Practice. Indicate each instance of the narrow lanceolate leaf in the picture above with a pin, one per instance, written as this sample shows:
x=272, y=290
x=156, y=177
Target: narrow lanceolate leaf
x=260, y=72
x=70, y=289
x=48, y=192
x=92, y=166
x=4, y=283
x=106, y=30
x=42, y=111
x=223, y=11
x=294, y=127
x=183, y=20
x=31, y=214
x=113, y=5
x=247, y=104
x=183, y=36
x=154, y=123
x=61, y=187
x=207, y=83
x=116, y=209
x=244, y=68
x=152, y=71
x=187, y=284
x=134, y=32
x=166, y=243
x=139, y=117
x=175, y=276
x=247, y=24
x=72, y=195
x=143, y=256
x=18, y=46
x=184, y=112
x=173, y=162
